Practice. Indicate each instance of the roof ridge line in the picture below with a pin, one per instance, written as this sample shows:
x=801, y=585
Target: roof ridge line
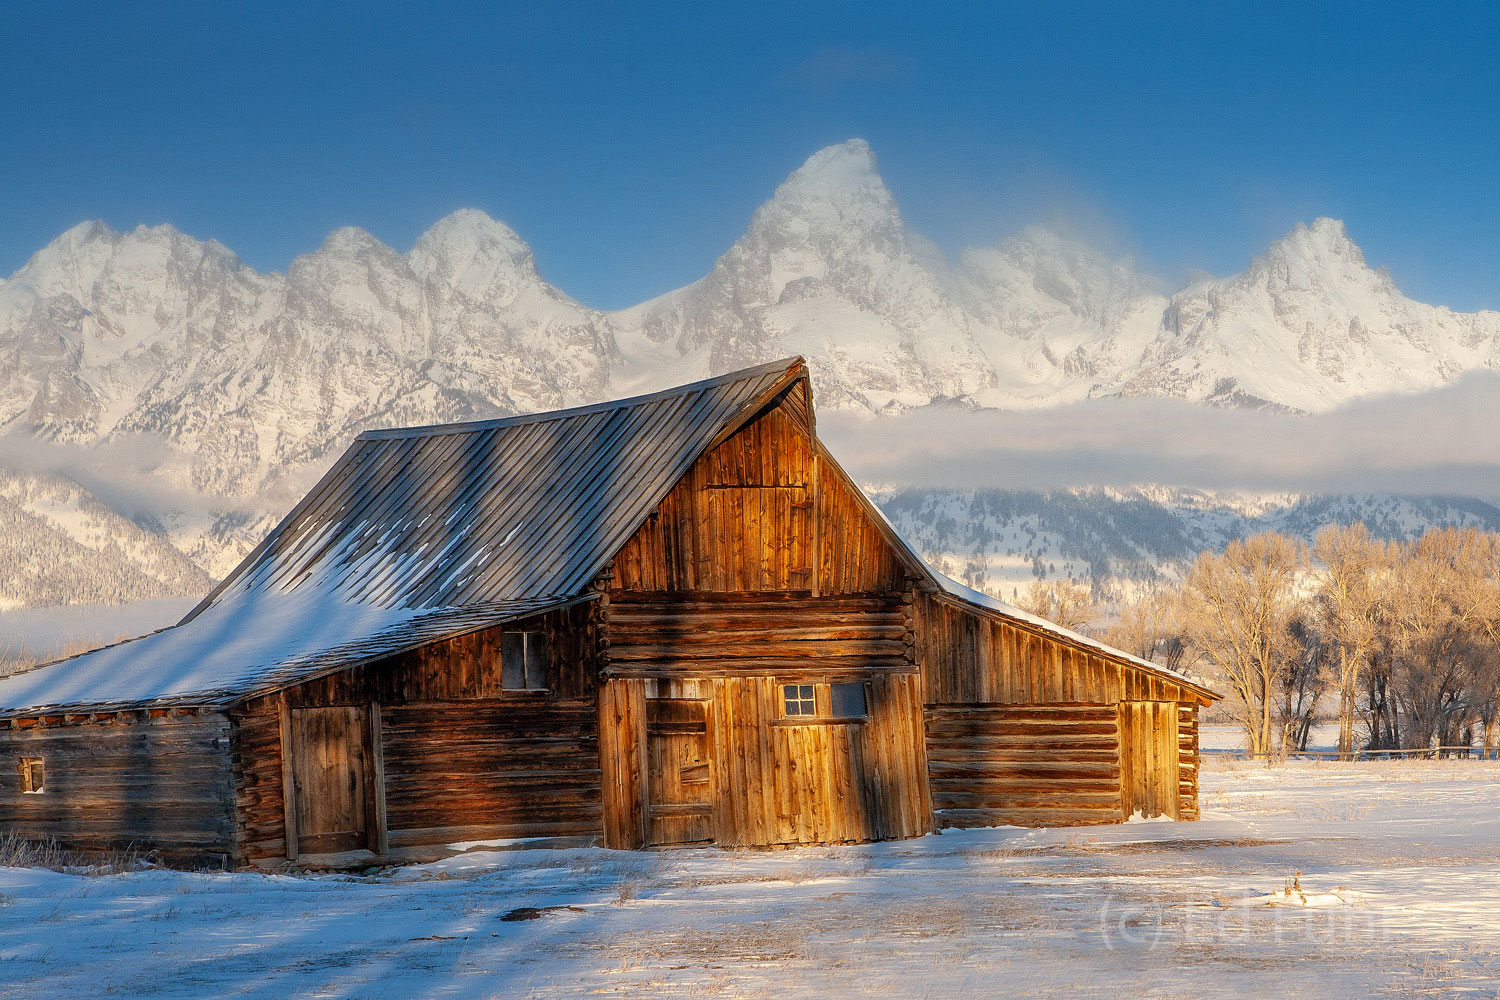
x=544, y=416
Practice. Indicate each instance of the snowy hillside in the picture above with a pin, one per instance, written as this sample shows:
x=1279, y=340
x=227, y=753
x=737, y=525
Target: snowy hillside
x=999, y=541
x=158, y=356
x=59, y=544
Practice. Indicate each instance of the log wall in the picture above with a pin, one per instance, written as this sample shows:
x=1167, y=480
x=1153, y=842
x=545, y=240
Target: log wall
x=671, y=635
x=158, y=783
x=1187, y=757
x=489, y=769
x=1024, y=765
x=1023, y=727
x=461, y=758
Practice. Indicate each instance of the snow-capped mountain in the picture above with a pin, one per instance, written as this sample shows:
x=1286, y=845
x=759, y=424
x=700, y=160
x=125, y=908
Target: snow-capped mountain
x=165, y=356
x=1308, y=326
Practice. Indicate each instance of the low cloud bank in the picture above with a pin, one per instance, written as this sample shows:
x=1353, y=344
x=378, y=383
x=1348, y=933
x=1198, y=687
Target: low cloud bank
x=1446, y=441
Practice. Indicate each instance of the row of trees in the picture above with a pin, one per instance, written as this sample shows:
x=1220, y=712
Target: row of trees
x=1400, y=640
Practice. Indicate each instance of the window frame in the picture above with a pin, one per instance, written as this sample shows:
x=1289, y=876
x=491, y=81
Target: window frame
x=530, y=639
x=804, y=696
x=822, y=700
x=30, y=769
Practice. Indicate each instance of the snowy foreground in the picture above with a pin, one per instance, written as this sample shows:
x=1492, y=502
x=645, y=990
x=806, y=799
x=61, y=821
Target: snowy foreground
x=1400, y=871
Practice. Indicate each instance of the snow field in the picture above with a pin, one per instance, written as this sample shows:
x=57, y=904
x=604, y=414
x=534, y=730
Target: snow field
x=1399, y=861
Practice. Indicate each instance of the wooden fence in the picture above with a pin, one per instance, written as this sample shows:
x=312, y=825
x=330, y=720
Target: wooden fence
x=1422, y=753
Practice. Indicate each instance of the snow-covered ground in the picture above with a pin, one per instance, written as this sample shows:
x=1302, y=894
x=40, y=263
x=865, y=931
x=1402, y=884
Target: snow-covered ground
x=1400, y=866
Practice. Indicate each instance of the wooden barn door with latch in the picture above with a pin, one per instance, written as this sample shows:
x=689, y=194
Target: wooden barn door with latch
x=331, y=771
x=679, y=766
x=1148, y=758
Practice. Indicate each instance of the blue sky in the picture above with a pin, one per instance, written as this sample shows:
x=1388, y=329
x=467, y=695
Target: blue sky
x=630, y=143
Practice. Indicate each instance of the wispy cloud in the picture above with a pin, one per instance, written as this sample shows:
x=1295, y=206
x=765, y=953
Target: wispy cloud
x=134, y=475
x=1440, y=442
x=839, y=66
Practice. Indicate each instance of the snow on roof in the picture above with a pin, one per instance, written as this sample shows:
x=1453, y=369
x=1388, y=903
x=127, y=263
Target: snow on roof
x=242, y=647
x=953, y=588
x=414, y=535
x=497, y=510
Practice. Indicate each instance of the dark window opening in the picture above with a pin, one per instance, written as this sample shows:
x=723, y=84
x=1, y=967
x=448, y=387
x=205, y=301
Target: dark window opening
x=848, y=700
x=33, y=775
x=523, y=661
x=800, y=700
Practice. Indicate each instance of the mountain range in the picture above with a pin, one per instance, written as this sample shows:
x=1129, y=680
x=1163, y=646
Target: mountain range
x=156, y=379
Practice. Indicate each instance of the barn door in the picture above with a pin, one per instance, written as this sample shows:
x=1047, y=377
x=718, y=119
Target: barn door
x=679, y=766
x=332, y=774
x=1148, y=758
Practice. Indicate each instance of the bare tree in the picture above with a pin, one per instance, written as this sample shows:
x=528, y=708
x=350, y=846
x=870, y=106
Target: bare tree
x=1434, y=632
x=1151, y=627
x=1348, y=610
x=1240, y=606
x=1065, y=603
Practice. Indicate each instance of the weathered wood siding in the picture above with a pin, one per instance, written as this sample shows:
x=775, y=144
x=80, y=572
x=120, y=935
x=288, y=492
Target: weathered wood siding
x=460, y=757
x=1150, y=759
x=1024, y=765
x=762, y=567
x=163, y=785
x=775, y=781
x=671, y=635
x=968, y=658
x=1187, y=757
x=762, y=511
x=992, y=688
x=491, y=769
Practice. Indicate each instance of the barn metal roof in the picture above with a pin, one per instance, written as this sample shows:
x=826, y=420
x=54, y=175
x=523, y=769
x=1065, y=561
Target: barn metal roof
x=498, y=510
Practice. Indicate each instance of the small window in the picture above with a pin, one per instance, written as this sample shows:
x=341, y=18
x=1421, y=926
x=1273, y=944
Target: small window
x=523, y=661
x=848, y=700
x=800, y=700
x=33, y=775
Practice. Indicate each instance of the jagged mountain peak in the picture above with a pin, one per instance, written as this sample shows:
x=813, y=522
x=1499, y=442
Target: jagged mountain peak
x=77, y=256
x=833, y=171
x=468, y=249
x=838, y=188
x=352, y=241
x=1323, y=246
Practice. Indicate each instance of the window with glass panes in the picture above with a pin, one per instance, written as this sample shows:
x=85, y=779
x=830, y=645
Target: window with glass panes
x=847, y=700
x=800, y=700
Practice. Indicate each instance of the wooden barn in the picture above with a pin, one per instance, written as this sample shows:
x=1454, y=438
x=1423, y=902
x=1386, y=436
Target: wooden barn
x=665, y=620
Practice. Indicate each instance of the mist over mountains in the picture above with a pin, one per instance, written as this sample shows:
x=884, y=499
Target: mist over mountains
x=185, y=400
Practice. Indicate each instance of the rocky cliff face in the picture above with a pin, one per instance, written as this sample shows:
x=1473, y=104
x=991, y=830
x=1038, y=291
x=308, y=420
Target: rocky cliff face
x=232, y=389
